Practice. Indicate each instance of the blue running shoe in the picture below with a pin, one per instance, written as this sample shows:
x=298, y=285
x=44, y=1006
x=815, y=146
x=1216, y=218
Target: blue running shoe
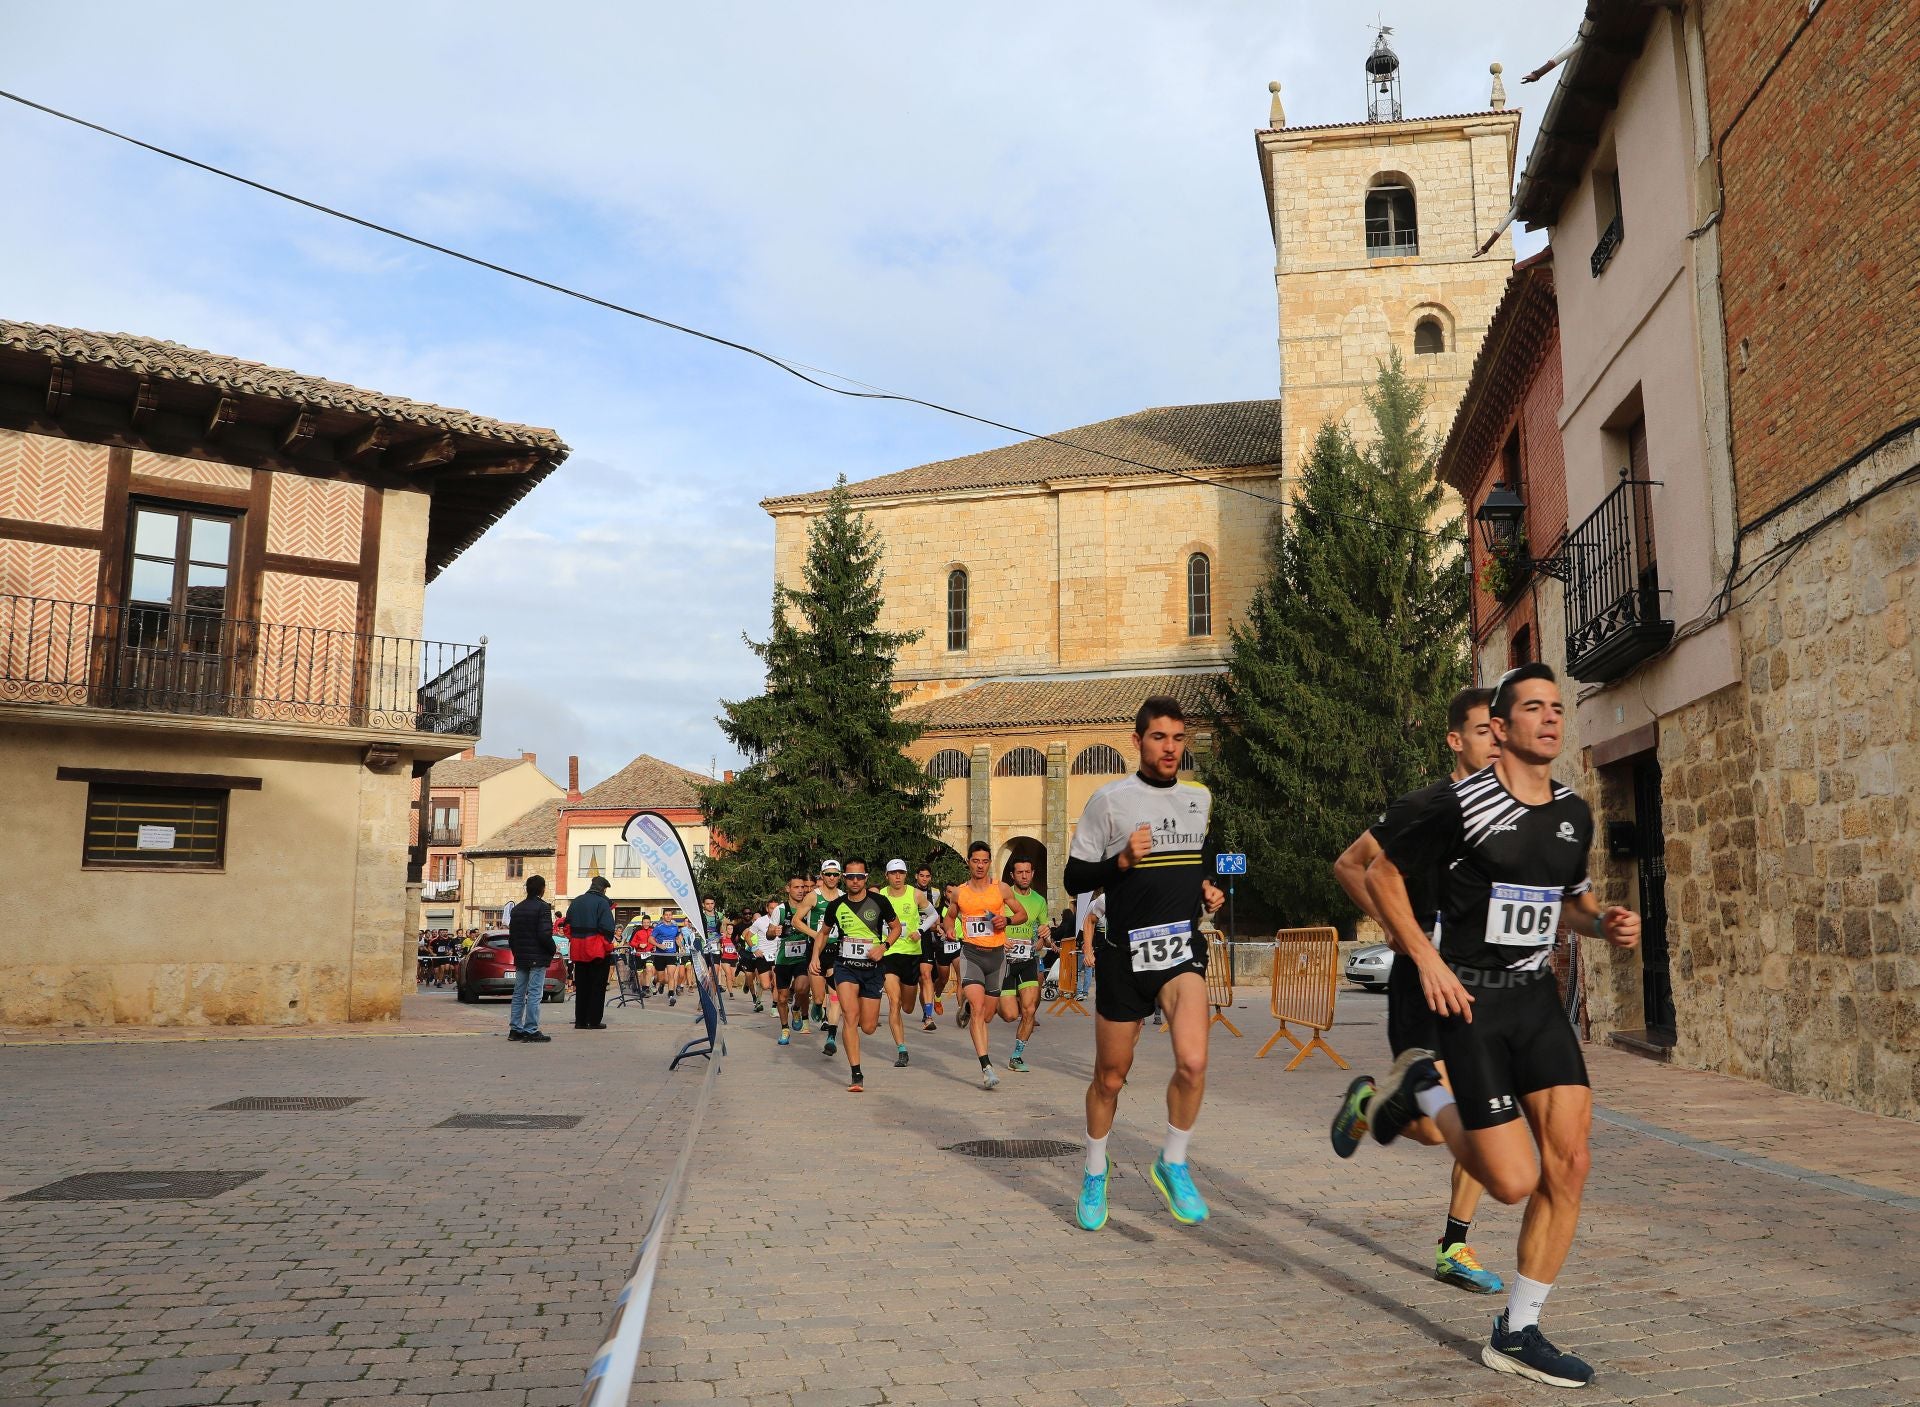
x=1350, y=1123
x=1527, y=1354
x=1092, y=1212
x=1394, y=1105
x=1175, y=1184
x=1457, y=1265
x=784, y=1040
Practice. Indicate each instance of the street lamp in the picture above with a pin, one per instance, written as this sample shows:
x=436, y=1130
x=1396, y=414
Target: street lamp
x=1502, y=518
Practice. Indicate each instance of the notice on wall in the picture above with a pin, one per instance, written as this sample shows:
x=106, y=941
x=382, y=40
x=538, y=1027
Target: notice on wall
x=155, y=838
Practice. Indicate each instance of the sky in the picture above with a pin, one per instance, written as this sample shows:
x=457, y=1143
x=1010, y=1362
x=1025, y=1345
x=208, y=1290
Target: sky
x=1047, y=214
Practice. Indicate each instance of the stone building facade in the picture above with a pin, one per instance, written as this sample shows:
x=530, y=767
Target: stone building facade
x=213, y=690
x=1377, y=228
x=1054, y=585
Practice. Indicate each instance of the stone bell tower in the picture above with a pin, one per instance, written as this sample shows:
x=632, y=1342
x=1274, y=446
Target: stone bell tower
x=1375, y=228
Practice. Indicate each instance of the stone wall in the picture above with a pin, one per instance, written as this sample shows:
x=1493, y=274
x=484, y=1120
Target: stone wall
x=1792, y=849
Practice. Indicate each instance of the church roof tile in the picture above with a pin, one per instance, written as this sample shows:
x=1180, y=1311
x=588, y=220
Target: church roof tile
x=1012, y=703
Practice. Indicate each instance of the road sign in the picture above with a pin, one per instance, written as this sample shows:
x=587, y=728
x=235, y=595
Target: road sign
x=1230, y=863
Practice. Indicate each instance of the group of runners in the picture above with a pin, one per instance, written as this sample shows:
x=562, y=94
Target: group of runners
x=1472, y=878
x=836, y=947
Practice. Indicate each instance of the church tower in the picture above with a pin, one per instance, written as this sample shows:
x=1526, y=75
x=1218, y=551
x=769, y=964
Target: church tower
x=1376, y=225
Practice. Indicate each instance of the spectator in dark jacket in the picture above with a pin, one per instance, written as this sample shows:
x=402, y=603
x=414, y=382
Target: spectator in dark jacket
x=530, y=936
x=591, y=920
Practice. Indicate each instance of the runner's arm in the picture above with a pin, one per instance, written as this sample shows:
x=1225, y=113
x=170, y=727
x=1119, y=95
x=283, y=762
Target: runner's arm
x=1620, y=926
x=1089, y=866
x=1351, y=871
x=1429, y=830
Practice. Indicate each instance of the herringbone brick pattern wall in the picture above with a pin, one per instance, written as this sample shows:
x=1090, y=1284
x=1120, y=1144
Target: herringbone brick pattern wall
x=47, y=480
x=315, y=518
x=193, y=471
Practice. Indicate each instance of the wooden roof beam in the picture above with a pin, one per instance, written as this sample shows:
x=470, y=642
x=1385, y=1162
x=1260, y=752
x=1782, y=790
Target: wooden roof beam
x=59, y=388
x=299, y=430
x=145, y=401
x=369, y=441
x=225, y=412
x=421, y=454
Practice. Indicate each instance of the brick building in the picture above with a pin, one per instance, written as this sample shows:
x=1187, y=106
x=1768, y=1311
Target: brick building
x=591, y=825
x=1735, y=308
x=470, y=799
x=497, y=867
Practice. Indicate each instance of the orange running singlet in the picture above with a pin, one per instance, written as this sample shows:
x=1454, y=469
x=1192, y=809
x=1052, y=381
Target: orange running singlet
x=976, y=915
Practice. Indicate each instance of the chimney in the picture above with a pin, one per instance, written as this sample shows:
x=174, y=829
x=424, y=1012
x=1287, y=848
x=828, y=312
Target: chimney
x=727, y=775
x=573, y=780
x=530, y=758
x=467, y=753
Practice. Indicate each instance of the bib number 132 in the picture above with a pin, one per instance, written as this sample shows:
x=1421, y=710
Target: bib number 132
x=1163, y=946
x=1523, y=916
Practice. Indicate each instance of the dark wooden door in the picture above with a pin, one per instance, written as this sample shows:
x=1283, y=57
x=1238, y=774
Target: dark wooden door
x=1651, y=845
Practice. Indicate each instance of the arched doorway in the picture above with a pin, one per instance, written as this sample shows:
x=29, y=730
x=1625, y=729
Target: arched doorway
x=1024, y=847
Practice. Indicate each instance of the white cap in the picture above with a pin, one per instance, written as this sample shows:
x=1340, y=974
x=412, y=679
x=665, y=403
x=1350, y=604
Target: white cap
x=900, y=865
x=829, y=867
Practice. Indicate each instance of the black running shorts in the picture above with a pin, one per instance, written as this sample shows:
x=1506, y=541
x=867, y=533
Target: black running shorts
x=905, y=966
x=662, y=961
x=787, y=975
x=1021, y=974
x=1519, y=1042
x=869, y=977
x=1121, y=994
x=1410, y=1021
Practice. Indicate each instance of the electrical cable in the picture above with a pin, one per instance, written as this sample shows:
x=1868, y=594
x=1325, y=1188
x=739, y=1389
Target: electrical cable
x=793, y=368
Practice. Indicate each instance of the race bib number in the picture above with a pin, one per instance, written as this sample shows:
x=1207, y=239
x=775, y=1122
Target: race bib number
x=795, y=949
x=949, y=946
x=854, y=949
x=1019, y=949
x=1161, y=947
x=981, y=927
x=1523, y=916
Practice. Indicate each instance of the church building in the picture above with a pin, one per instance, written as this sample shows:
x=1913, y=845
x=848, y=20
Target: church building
x=1057, y=582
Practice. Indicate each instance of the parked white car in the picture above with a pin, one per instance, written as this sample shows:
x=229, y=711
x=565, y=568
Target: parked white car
x=1368, y=966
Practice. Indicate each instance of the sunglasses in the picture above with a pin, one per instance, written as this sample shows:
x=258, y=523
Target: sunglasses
x=856, y=874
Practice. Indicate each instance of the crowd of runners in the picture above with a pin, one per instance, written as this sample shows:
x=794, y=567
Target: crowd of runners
x=1473, y=879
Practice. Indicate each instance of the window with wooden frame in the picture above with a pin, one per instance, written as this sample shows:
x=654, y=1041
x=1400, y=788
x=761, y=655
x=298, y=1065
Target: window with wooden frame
x=593, y=861
x=1199, y=595
x=177, y=638
x=957, y=622
x=442, y=869
x=154, y=827
x=516, y=867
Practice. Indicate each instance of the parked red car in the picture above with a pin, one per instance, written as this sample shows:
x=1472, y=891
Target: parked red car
x=488, y=971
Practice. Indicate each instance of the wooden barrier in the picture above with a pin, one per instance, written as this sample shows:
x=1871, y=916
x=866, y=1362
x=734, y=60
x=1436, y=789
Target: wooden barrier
x=1069, y=979
x=1220, y=983
x=1306, y=973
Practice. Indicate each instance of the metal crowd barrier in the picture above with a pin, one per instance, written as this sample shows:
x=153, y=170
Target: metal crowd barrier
x=1306, y=974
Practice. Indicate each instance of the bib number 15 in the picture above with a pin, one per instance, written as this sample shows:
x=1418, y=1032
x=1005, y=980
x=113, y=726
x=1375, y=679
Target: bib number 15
x=1523, y=916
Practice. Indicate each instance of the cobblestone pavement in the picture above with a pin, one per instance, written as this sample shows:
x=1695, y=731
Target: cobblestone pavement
x=1738, y=1246
x=832, y=1253
x=376, y=1256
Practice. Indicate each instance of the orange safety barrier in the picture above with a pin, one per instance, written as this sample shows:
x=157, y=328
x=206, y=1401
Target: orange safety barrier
x=1220, y=982
x=1069, y=979
x=1306, y=973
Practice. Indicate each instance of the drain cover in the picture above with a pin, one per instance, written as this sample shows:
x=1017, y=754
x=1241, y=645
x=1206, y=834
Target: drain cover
x=135, y=1186
x=290, y=1102
x=511, y=1121
x=1014, y=1148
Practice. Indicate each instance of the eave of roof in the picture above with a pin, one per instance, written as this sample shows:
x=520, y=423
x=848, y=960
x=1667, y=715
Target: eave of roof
x=144, y=393
x=1610, y=39
x=536, y=833
x=1074, y=702
x=1361, y=126
x=1509, y=354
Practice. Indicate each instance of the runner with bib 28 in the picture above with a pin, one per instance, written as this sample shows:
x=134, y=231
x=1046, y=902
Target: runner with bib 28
x=1147, y=840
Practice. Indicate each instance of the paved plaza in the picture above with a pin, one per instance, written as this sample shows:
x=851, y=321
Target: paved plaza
x=1738, y=1245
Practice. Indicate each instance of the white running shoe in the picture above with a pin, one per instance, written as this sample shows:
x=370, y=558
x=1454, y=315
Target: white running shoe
x=989, y=1079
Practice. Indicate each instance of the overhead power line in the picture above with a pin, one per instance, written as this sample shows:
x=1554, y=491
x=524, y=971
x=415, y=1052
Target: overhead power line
x=857, y=390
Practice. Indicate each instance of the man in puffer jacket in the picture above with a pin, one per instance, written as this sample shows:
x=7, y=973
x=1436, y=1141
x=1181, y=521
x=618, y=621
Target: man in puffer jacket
x=530, y=936
x=591, y=919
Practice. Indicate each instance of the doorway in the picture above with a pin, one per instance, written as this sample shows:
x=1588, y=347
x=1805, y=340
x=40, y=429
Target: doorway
x=174, y=643
x=1650, y=845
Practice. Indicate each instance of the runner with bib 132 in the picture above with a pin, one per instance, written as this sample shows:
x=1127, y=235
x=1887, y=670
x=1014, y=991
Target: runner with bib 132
x=1147, y=841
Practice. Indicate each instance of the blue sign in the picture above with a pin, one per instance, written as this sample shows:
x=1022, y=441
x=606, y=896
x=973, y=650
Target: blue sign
x=1231, y=863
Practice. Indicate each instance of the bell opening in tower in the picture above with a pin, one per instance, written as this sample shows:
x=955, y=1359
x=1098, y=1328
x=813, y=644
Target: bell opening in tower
x=1383, y=79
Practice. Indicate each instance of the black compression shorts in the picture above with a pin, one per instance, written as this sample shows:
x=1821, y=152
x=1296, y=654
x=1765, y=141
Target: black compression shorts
x=1519, y=1042
x=1410, y=1021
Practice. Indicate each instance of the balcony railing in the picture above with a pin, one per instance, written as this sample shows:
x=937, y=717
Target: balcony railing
x=1610, y=239
x=155, y=660
x=447, y=837
x=1613, y=589
x=1383, y=243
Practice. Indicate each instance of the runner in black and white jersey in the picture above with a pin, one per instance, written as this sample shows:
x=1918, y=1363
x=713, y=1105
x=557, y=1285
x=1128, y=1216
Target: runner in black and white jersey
x=1147, y=840
x=1512, y=845
x=935, y=961
x=1410, y=1021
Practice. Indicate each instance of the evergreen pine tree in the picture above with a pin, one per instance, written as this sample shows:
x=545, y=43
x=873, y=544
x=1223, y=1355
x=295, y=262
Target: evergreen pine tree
x=1335, y=696
x=826, y=774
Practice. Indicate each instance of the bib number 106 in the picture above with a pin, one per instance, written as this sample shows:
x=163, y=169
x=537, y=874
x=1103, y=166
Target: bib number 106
x=1523, y=916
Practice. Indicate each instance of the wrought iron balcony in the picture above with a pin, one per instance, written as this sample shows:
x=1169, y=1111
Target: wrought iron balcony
x=1613, y=588
x=1385, y=243
x=443, y=838
x=1610, y=239
x=154, y=660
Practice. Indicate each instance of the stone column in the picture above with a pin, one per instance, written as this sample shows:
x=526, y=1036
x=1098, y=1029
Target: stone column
x=1054, y=825
x=980, y=795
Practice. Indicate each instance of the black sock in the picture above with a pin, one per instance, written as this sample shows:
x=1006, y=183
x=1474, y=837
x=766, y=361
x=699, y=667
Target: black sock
x=1456, y=1232
x=856, y=1075
x=985, y=1061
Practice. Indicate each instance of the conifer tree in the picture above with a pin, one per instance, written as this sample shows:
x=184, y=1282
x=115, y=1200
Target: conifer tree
x=1335, y=696
x=826, y=774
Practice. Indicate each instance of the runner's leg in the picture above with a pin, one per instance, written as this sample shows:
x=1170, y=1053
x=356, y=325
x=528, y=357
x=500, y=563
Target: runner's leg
x=1184, y=1000
x=850, y=993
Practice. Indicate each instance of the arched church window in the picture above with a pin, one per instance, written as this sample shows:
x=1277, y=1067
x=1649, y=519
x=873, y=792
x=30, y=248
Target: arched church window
x=1021, y=762
x=949, y=763
x=1429, y=337
x=957, y=609
x=1199, y=595
x=1099, y=761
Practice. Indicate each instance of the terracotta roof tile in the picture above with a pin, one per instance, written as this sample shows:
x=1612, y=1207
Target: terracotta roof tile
x=173, y=362
x=1219, y=435
x=536, y=833
x=1012, y=703
x=469, y=771
x=642, y=783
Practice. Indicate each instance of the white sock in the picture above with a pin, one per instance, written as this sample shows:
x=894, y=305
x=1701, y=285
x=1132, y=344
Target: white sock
x=1525, y=1302
x=1433, y=1100
x=1175, y=1150
x=1096, y=1155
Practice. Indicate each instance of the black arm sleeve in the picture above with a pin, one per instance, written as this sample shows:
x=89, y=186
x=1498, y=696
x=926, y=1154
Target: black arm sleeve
x=1085, y=876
